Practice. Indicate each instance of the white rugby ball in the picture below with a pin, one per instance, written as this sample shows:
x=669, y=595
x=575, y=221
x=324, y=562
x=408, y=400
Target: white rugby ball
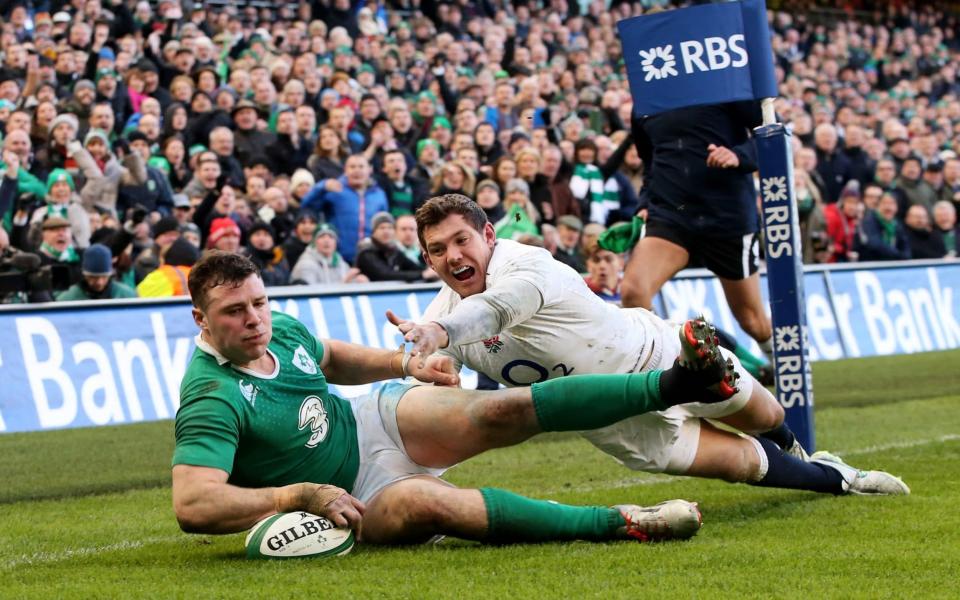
x=298, y=535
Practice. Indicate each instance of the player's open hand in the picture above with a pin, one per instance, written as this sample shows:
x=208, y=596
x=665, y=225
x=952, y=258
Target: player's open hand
x=345, y=511
x=436, y=369
x=427, y=338
x=721, y=157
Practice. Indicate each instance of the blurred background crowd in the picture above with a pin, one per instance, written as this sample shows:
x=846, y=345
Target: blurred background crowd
x=137, y=134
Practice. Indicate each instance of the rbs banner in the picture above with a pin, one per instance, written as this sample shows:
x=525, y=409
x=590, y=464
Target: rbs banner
x=709, y=54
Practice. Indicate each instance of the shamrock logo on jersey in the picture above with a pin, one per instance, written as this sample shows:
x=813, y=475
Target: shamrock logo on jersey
x=313, y=414
x=303, y=361
x=249, y=392
x=493, y=345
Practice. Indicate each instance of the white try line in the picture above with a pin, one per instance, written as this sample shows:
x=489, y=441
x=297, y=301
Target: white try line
x=660, y=479
x=950, y=437
x=49, y=557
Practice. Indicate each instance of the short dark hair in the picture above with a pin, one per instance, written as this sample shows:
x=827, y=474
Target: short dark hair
x=438, y=208
x=216, y=268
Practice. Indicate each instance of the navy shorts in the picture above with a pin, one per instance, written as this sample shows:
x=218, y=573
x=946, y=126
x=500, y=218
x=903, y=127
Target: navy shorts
x=728, y=257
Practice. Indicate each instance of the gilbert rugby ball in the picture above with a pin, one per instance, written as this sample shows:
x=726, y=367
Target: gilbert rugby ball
x=298, y=535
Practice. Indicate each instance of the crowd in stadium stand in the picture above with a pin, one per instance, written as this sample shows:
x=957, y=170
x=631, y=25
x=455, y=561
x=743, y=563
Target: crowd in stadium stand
x=138, y=134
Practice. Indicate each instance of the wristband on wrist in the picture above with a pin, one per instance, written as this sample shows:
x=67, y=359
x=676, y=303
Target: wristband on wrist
x=398, y=362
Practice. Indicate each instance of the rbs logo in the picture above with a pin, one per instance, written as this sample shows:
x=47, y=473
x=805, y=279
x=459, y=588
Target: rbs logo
x=713, y=54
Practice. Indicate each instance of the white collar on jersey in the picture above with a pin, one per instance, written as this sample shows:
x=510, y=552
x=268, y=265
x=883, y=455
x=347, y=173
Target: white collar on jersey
x=222, y=360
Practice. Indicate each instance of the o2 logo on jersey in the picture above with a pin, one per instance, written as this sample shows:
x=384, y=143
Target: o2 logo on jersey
x=521, y=369
x=313, y=414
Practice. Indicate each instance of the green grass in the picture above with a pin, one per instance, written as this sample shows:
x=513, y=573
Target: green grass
x=87, y=513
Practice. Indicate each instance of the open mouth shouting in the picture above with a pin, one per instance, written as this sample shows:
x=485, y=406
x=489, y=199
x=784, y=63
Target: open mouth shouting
x=463, y=273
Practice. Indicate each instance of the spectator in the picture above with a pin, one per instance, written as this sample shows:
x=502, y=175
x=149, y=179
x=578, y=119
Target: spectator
x=269, y=258
x=165, y=232
x=104, y=173
x=290, y=151
x=171, y=278
x=182, y=209
x=568, y=244
x=407, y=239
x=923, y=240
x=912, y=189
x=224, y=235
x=381, y=259
x=814, y=240
x=862, y=166
x=405, y=194
x=521, y=217
x=488, y=198
x=56, y=246
x=453, y=178
x=603, y=273
x=880, y=235
x=558, y=173
x=945, y=219
x=321, y=264
x=842, y=219
x=529, y=169
x=97, y=282
x=249, y=140
x=63, y=201
x=301, y=237
x=832, y=164
x=348, y=203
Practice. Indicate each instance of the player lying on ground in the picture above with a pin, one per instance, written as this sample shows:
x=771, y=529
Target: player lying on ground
x=258, y=431
x=519, y=316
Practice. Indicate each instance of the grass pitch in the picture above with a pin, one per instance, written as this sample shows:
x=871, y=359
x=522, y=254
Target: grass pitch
x=87, y=513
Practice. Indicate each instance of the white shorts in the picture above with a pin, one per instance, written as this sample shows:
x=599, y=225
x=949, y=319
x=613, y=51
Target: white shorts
x=383, y=460
x=667, y=441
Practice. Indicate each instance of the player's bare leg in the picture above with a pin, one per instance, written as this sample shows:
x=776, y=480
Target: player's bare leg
x=416, y=509
x=653, y=262
x=756, y=461
x=746, y=303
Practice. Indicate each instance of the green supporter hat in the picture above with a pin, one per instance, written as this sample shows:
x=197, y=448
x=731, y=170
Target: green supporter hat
x=196, y=149
x=366, y=68
x=441, y=122
x=621, y=237
x=427, y=142
x=104, y=72
x=58, y=175
x=325, y=229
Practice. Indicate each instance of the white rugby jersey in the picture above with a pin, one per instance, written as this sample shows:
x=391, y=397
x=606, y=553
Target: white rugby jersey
x=538, y=320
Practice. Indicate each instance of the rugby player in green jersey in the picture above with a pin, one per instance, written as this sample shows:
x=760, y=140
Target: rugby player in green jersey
x=258, y=431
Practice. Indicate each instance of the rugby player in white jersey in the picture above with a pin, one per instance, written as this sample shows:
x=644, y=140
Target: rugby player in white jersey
x=519, y=316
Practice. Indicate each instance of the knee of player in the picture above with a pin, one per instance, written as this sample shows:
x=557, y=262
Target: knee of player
x=426, y=509
x=744, y=464
x=504, y=409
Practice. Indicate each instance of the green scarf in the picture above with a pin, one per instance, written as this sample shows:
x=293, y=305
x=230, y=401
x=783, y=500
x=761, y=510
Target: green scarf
x=57, y=210
x=67, y=256
x=889, y=230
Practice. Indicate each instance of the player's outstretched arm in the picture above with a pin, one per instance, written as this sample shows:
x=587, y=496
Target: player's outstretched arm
x=353, y=364
x=204, y=502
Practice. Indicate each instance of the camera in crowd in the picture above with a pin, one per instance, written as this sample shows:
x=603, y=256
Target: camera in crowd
x=24, y=272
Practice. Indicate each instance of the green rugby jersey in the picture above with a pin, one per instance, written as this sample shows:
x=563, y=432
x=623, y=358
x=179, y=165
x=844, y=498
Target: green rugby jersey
x=267, y=430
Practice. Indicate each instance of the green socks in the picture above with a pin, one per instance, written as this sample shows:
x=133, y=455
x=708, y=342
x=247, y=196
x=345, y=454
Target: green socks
x=595, y=401
x=513, y=518
x=750, y=362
